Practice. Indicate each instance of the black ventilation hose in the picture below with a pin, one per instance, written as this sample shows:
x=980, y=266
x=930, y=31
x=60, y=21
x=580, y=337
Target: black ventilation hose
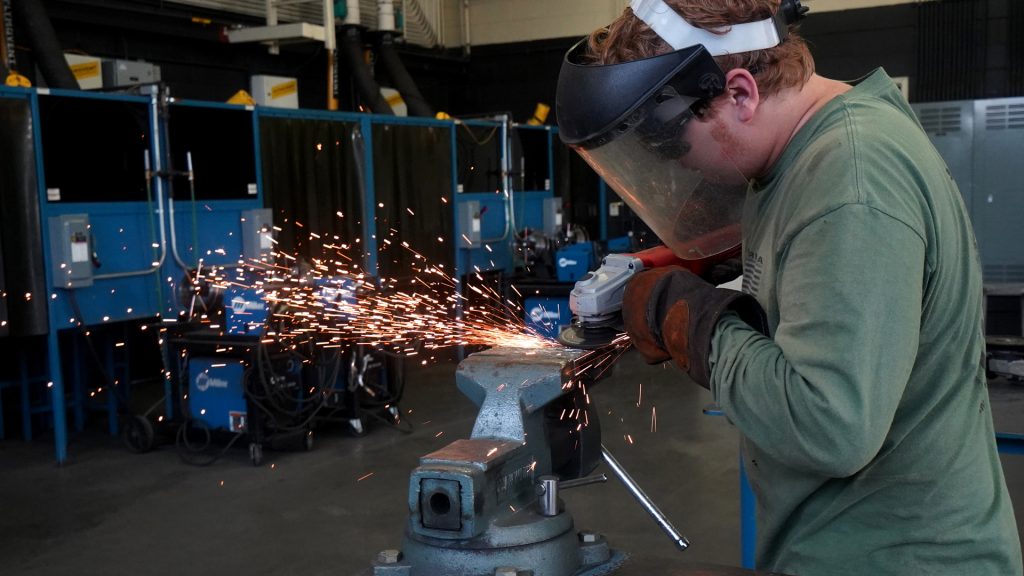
x=21, y=224
x=369, y=91
x=32, y=18
x=404, y=83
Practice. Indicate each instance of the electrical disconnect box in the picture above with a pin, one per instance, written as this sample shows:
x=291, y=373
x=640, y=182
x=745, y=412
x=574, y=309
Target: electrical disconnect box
x=257, y=234
x=71, y=251
x=552, y=215
x=118, y=73
x=275, y=91
x=468, y=224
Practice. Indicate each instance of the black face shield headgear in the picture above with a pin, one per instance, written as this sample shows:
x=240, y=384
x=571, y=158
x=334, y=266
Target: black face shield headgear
x=633, y=123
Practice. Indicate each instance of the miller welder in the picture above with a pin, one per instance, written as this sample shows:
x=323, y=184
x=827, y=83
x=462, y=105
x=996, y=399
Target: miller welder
x=548, y=262
x=246, y=366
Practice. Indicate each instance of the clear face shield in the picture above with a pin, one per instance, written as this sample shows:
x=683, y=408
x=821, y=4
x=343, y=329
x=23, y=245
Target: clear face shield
x=635, y=124
x=678, y=183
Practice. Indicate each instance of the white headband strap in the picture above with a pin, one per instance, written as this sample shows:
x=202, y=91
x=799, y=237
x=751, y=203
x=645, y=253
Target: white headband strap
x=679, y=34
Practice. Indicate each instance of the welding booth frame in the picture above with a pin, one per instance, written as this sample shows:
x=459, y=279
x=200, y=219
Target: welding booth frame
x=133, y=290
x=134, y=287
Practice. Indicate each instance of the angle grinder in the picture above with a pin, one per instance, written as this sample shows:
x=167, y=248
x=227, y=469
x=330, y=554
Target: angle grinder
x=596, y=299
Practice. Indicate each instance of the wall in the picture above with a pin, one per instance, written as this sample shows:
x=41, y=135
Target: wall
x=500, y=21
x=503, y=21
x=957, y=49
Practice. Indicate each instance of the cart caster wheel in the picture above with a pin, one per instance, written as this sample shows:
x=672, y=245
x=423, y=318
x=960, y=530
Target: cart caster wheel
x=356, y=427
x=256, y=454
x=137, y=434
x=394, y=415
x=308, y=442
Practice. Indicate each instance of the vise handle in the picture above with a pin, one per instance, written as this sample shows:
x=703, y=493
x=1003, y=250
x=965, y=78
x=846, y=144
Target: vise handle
x=548, y=487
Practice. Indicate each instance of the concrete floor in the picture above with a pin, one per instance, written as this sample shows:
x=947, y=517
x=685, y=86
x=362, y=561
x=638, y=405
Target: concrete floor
x=329, y=511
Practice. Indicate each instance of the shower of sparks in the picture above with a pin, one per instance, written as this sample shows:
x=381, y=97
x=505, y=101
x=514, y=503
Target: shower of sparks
x=333, y=302
x=330, y=302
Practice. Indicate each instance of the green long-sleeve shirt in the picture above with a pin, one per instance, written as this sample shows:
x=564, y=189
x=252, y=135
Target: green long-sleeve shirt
x=866, y=427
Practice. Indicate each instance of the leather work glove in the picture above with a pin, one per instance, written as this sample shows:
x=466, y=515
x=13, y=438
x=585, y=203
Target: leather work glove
x=670, y=312
x=723, y=272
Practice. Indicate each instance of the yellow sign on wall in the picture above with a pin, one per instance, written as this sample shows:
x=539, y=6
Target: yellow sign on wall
x=86, y=70
x=284, y=89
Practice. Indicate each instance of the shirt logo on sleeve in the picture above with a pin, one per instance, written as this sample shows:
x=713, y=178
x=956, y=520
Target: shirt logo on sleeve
x=753, y=265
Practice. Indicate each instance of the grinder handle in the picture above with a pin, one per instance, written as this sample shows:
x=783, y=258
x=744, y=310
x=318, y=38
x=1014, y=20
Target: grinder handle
x=664, y=256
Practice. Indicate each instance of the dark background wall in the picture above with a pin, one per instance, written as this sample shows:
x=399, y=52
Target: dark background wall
x=950, y=49
x=190, y=46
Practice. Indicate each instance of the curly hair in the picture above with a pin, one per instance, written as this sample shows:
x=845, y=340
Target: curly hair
x=787, y=65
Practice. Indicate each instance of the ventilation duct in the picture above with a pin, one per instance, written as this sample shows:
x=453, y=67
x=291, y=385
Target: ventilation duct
x=403, y=81
x=369, y=91
x=32, y=17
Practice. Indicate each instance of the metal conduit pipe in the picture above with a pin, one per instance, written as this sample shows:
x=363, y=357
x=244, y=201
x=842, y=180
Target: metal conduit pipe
x=404, y=83
x=352, y=50
x=43, y=39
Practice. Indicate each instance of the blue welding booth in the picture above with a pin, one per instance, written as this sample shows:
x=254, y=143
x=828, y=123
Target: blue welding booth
x=118, y=197
x=99, y=224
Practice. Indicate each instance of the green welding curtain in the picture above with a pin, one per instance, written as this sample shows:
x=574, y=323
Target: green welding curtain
x=311, y=182
x=479, y=157
x=578, y=185
x=412, y=171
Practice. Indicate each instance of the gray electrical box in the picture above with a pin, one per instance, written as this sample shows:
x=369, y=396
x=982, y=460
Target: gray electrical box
x=552, y=215
x=257, y=234
x=118, y=73
x=467, y=223
x=997, y=207
x=71, y=251
x=982, y=142
x=950, y=127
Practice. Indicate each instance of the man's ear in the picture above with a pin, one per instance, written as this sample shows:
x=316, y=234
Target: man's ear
x=742, y=92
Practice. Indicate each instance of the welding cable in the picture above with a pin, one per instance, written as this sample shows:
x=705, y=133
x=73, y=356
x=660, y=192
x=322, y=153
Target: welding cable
x=284, y=402
x=276, y=405
x=122, y=398
x=189, y=453
x=373, y=409
x=477, y=141
x=403, y=425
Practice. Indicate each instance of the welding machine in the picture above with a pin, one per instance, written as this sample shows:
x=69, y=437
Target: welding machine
x=547, y=267
x=245, y=368
x=574, y=260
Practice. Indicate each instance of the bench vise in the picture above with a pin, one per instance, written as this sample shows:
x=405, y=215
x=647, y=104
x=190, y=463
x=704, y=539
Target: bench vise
x=488, y=505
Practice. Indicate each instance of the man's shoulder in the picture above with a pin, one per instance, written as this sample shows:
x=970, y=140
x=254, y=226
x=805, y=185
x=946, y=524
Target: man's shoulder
x=866, y=153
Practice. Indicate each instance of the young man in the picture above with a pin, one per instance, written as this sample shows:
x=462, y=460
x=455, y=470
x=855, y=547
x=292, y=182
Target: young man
x=853, y=363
